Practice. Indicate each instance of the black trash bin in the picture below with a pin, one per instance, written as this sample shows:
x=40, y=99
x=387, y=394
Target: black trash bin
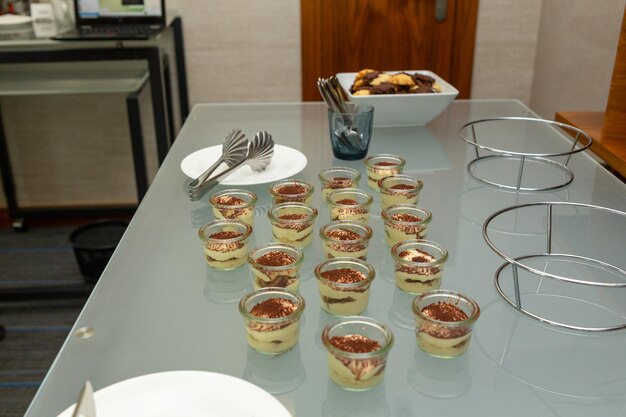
x=94, y=244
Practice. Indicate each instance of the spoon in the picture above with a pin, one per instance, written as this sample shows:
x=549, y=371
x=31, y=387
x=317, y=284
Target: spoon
x=259, y=156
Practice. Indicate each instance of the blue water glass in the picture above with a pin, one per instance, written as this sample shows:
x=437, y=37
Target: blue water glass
x=350, y=133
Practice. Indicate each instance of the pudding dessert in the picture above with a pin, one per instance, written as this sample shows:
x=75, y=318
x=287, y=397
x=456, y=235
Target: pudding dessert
x=357, y=351
x=294, y=191
x=444, y=321
x=234, y=205
x=338, y=178
x=349, y=204
x=418, y=265
x=276, y=265
x=293, y=223
x=404, y=222
x=272, y=319
x=225, y=243
x=344, y=285
x=399, y=189
x=381, y=166
x=371, y=82
x=345, y=238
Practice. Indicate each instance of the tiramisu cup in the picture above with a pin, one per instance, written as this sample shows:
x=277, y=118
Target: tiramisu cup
x=345, y=238
x=276, y=265
x=418, y=265
x=381, y=166
x=294, y=191
x=225, y=243
x=404, y=222
x=234, y=205
x=338, y=178
x=399, y=189
x=357, y=351
x=444, y=321
x=344, y=285
x=272, y=319
x=349, y=204
x=293, y=223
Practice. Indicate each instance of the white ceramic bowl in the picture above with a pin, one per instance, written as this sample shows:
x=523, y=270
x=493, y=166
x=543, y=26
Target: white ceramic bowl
x=403, y=109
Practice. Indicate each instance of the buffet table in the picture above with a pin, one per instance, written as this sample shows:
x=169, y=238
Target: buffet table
x=159, y=307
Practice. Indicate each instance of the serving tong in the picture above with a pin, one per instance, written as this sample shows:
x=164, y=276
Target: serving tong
x=258, y=155
x=330, y=90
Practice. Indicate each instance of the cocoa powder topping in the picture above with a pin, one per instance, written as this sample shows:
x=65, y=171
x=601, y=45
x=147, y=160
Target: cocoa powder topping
x=225, y=234
x=385, y=164
x=443, y=311
x=229, y=200
x=347, y=202
x=415, y=255
x=294, y=216
x=275, y=258
x=406, y=218
x=291, y=189
x=274, y=308
x=402, y=187
x=343, y=234
x=343, y=275
x=355, y=343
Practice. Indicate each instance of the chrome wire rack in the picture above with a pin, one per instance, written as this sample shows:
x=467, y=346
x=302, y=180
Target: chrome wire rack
x=471, y=134
x=579, y=269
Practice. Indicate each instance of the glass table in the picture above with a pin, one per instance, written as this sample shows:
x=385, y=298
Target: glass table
x=158, y=307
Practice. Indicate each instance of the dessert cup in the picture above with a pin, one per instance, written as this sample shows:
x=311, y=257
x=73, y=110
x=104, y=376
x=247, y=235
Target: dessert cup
x=399, y=189
x=349, y=204
x=294, y=191
x=357, y=351
x=418, y=265
x=338, y=178
x=225, y=243
x=404, y=222
x=293, y=223
x=272, y=319
x=234, y=204
x=381, y=166
x=345, y=238
x=344, y=285
x=444, y=321
x=276, y=265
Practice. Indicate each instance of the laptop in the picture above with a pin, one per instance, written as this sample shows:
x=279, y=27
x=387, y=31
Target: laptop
x=116, y=20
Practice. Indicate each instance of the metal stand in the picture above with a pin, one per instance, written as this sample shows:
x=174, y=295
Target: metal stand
x=469, y=134
x=520, y=262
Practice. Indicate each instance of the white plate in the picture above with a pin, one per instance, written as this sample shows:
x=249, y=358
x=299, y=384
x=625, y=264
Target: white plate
x=185, y=393
x=285, y=163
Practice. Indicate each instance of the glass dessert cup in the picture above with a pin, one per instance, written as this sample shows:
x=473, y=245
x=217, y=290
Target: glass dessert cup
x=234, y=204
x=344, y=285
x=225, y=243
x=444, y=321
x=291, y=190
x=338, y=178
x=381, y=166
x=293, y=223
x=345, y=238
x=399, y=189
x=418, y=265
x=357, y=351
x=272, y=319
x=276, y=265
x=404, y=222
x=349, y=204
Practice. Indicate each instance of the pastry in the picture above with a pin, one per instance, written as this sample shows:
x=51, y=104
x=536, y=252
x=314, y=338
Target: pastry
x=293, y=223
x=378, y=82
x=295, y=191
x=350, y=204
x=381, y=166
x=344, y=285
x=399, y=189
x=338, y=178
x=234, y=205
x=345, y=238
x=418, y=265
x=276, y=265
x=404, y=222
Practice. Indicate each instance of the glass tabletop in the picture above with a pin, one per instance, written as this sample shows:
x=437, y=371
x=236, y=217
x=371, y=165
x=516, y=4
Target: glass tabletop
x=159, y=307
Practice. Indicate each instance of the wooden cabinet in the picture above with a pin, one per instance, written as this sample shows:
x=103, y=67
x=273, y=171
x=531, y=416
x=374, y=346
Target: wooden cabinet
x=349, y=35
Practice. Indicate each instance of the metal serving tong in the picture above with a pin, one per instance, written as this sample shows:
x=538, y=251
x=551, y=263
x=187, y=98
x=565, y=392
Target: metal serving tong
x=85, y=404
x=259, y=155
x=234, y=149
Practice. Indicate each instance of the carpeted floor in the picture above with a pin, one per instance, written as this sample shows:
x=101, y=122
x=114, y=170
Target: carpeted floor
x=36, y=326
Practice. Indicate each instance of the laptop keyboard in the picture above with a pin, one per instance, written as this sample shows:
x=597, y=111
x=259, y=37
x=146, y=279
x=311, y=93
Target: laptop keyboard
x=120, y=29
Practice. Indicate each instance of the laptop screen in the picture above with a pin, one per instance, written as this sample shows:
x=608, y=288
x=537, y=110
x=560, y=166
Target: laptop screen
x=119, y=10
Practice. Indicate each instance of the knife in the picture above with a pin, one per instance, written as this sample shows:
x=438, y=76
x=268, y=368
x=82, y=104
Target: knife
x=85, y=405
